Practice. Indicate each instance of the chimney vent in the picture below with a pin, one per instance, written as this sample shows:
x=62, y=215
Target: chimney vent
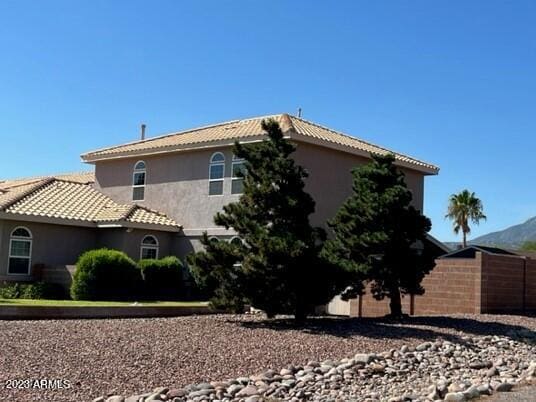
x=143, y=131
x=299, y=112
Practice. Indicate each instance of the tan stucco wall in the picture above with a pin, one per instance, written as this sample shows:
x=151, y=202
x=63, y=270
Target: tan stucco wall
x=330, y=179
x=130, y=242
x=177, y=184
x=61, y=245
x=53, y=245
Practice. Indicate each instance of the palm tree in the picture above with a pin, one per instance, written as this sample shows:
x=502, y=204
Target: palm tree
x=463, y=207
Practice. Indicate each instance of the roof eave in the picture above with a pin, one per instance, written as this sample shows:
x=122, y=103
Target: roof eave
x=88, y=224
x=87, y=158
x=46, y=219
x=424, y=168
x=137, y=225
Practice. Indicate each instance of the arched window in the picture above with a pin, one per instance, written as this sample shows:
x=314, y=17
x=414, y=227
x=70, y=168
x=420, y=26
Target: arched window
x=149, y=248
x=237, y=179
x=213, y=239
x=138, y=181
x=215, y=174
x=20, y=252
x=236, y=241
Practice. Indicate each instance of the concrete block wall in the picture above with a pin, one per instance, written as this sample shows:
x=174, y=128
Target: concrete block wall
x=488, y=283
x=503, y=283
x=452, y=287
x=530, y=285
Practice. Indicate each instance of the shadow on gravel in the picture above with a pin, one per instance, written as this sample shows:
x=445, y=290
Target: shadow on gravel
x=426, y=328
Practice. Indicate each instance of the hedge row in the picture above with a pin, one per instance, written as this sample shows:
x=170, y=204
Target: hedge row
x=36, y=290
x=111, y=275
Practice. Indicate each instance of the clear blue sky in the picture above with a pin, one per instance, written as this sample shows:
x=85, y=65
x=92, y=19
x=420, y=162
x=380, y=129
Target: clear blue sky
x=451, y=82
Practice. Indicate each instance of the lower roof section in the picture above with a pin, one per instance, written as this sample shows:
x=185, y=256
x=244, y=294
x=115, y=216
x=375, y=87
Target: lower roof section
x=72, y=200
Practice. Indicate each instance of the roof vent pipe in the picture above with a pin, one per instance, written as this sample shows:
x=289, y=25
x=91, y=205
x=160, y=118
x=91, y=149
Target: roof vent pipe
x=143, y=131
x=299, y=112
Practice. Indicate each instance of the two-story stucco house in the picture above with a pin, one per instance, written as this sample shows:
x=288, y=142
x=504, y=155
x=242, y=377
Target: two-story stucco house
x=156, y=196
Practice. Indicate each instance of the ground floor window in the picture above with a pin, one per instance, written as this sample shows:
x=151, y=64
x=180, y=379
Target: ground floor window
x=20, y=252
x=149, y=248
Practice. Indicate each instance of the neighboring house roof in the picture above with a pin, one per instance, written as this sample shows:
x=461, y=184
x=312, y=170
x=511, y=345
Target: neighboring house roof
x=71, y=199
x=250, y=130
x=470, y=252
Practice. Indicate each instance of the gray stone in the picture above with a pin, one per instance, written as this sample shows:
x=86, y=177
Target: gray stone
x=153, y=397
x=471, y=392
x=116, y=398
x=504, y=387
x=288, y=383
x=455, y=397
x=364, y=358
x=234, y=388
x=134, y=398
x=484, y=389
x=99, y=399
x=243, y=380
x=176, y=393
x=423, y=346
x=479, y=365
x=201, y=392
x=250, y=390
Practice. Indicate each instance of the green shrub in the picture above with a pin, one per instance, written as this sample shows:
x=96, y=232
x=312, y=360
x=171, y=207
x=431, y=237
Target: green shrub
x=105, y=275
x=162, y=278
x=10, y=291
x=36, y=290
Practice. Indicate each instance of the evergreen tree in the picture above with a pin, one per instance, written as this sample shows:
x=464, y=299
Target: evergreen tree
x=379, y=236
x=277, y=266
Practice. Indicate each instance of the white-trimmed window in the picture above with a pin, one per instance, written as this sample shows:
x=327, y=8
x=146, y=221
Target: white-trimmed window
x=216, y=173
x=213, y=239
x=149, y=248
x=237, y=182
x=20, y=252
x=138, y=181
x=237, y=241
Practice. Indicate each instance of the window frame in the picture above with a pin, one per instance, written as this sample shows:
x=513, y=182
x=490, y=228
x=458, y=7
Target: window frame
x=212, y=164
x=236, y=161
x=135, y=186
x=28, y=239
x=155, y=247
x=231, y=240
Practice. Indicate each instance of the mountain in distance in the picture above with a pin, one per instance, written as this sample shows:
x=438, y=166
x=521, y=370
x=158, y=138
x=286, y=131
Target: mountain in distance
x=512, y=237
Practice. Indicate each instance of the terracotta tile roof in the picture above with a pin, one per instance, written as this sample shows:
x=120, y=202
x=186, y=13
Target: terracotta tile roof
x=250, y=129
x=72, y=197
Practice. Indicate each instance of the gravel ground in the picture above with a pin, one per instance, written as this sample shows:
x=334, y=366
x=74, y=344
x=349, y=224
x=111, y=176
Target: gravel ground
x=100, y=357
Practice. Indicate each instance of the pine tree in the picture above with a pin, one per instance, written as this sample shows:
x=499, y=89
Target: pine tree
x=277, y=266
x=379, y=236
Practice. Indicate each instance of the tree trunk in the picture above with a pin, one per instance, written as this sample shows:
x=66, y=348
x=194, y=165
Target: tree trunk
x=464, y=239
x=395, y=302
x=300, y=315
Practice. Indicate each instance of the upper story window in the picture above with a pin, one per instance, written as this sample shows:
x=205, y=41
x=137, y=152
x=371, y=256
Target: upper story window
x=216, y=174
x=149, y=248
x=237, y=182
x=138, y=181
x=20, y=252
